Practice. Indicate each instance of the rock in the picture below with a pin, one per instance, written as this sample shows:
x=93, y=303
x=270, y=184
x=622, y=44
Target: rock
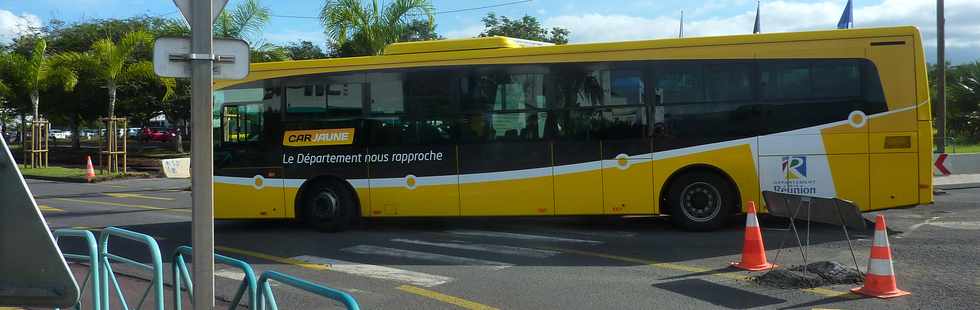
x=832, y=272
x=788, y=279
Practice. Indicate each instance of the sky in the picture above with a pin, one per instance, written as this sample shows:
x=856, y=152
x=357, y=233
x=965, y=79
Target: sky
x=588, y=20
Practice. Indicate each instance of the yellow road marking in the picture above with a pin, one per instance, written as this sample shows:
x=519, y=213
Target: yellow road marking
x=680, y=267
x=118, y=186
x=46, y=208
x=117, y=204
x=462, y=303
x=87, y=228
x=466, y=304
x=284, y=260
x=124, y=195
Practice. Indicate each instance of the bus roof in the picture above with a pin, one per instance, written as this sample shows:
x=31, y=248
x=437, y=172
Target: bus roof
x=457, y=50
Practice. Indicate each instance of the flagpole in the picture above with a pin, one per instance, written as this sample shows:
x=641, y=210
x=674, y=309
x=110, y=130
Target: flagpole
x=680, y=33
x=940, y=103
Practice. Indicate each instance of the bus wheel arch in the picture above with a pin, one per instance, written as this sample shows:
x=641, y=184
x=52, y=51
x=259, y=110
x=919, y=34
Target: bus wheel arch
x=332, y=188
x=704, y=181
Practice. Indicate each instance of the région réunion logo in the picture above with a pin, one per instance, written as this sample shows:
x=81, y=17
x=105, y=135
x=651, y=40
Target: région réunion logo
x=794, y=167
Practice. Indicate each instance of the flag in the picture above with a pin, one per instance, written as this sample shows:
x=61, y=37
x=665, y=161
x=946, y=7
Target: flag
x=758, y=26
x=847, y=18
x=680, y=33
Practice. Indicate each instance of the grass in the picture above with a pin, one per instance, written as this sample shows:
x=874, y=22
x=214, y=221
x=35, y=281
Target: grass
x=963, y=148
x=68, y=174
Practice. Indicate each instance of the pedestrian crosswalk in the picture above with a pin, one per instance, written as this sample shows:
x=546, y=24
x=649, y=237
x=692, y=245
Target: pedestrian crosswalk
x=377, y=272
x=491, y=248
x=469, y=248
x=424, y=256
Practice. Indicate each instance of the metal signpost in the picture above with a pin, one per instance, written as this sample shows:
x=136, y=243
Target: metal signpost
x=196, y=58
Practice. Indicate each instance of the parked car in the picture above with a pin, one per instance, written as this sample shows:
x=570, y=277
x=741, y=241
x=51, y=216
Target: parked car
x=58, y=134
x=157, y=134
x=88, y=133
x=133, y=132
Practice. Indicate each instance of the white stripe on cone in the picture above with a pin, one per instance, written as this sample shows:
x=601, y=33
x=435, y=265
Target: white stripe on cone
x=880, y=267
x=881, y=239
x=751, y=220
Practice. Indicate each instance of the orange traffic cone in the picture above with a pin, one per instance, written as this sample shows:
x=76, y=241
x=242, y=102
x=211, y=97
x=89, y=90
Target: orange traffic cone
x=90, y=171
x=879, y=281
x=753, y=250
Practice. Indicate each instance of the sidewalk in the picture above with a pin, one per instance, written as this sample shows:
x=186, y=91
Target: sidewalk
x=955, y=181
x=42, y=188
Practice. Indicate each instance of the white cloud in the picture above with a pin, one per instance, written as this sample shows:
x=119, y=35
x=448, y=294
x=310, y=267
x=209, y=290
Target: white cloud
x=12, y=25
x=962, y=23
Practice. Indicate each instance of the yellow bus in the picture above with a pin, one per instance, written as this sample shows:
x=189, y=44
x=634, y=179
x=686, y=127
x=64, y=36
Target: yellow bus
x=689, y=127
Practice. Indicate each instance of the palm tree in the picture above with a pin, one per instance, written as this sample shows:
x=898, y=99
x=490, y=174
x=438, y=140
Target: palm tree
x=244, y=22
x=366, y=30
x=36, y=73
x=114, y=65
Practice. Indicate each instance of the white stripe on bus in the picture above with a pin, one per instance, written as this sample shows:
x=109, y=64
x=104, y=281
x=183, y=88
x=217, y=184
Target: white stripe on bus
x=378, y=272
x=491, y=248
x=497, y=234
x=455, y=260
x=752, y=142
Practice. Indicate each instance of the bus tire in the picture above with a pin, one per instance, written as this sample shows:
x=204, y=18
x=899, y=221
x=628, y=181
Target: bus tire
x=328, y=206
x=701, y=201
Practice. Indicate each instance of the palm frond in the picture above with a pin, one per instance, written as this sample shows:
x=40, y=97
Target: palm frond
x=132, y=41
x=249, y=18
x=62, y=70
x=401, y=12
x=4, y=89
x=343, y=18
x=141, y=70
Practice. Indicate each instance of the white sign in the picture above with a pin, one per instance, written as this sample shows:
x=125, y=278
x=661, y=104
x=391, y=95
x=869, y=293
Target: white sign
x=185, y=8
x=176, y=167
x=172, y=58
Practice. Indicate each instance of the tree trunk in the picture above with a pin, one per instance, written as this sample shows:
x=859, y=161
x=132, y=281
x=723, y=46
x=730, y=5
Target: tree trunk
x=35, y=99
x=112, y=100
x=75, y=133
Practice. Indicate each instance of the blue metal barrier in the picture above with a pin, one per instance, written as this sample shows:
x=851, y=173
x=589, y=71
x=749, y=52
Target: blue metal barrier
x=155, y=266
x=179, y=268
x=268, y=299
x=92, y=258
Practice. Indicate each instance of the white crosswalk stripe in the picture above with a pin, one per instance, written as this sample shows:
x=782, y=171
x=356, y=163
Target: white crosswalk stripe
x=234, y=274
x=378, y=272
x=497, y=234
x=455, y=260
x=491, y=248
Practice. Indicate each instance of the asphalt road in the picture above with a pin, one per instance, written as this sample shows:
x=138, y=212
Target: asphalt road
x=540, y=263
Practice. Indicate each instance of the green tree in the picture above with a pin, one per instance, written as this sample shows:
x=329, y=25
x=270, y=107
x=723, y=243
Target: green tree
x=113, y=64
x=419, y=30
x=526, y=27
x=356, y=30
x=302, y=50
x=37, y=72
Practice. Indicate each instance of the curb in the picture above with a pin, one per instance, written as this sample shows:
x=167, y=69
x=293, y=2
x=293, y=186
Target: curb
x=958, y=186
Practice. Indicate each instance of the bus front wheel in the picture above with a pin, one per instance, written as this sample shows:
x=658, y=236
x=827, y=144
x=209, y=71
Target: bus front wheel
x=701, y=201
x=328, y=206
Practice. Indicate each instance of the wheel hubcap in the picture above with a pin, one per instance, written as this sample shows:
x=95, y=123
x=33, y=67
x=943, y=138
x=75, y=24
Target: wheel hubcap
x=325, y=205
x=700, y=201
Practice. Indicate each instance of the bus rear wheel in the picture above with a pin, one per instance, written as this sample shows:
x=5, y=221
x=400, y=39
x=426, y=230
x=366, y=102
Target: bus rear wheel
x=701, y=201
x=328, y=206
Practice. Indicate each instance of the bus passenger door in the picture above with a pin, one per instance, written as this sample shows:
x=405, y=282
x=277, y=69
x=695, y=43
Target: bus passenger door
x=248, y=180
x=627, y=154
x=411, y=151
x=627, y=162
